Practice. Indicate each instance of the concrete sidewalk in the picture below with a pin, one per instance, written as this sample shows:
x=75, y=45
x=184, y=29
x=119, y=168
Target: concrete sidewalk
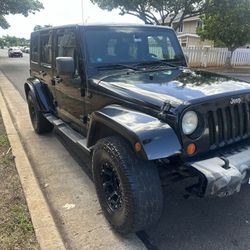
x=67, y=214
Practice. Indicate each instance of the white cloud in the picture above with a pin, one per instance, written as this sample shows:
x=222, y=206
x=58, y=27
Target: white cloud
x=60, y=12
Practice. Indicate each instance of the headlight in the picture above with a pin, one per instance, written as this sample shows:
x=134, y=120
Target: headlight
x=189, y=122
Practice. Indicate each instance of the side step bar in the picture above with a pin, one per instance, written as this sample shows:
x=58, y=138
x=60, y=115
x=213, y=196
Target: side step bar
x=70, y=133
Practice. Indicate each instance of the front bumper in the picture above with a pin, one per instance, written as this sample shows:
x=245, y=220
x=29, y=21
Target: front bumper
x=16, y=54
x=222, y=175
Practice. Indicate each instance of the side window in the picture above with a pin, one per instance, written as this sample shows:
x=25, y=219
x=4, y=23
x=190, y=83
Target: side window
x=66, y=45
x=34, y=49
x=45, y=48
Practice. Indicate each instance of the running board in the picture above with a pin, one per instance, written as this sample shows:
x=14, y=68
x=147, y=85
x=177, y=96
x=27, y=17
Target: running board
x=70, y=133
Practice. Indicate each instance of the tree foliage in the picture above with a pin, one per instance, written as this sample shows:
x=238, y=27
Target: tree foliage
x=39, y=27
x=24, y=7
x=162, y=12
x=228, y=22
x=13, y=41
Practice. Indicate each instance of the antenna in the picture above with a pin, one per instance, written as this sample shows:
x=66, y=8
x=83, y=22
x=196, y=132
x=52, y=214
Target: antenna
x=82, y=5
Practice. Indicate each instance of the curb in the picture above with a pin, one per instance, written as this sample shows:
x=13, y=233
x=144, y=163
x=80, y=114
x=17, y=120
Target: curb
x=45, y=228
x=60, y=195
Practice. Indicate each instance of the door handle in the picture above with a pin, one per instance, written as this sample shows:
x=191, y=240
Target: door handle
x=43, y=73
x=56, y=80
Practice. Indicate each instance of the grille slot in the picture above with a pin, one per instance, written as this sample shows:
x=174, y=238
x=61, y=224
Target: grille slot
x=229, y=124
x=220, y=125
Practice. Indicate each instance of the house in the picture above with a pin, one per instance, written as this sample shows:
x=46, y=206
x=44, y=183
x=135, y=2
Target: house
x=187, y=34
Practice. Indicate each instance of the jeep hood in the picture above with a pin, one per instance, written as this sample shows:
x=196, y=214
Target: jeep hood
x=176, y=86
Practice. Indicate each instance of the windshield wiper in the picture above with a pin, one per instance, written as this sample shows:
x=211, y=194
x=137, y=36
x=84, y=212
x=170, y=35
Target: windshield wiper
x=151, y=66
x=156, y=63
x=117, y=66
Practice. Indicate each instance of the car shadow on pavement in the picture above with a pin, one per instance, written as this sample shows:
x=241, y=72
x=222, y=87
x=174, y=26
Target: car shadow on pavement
x=203, y=223
x=191, y=223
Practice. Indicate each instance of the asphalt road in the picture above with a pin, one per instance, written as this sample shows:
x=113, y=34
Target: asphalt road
x=16, y=69
x=188, y=224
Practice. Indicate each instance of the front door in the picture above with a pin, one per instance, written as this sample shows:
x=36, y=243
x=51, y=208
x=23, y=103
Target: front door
x=70, y=103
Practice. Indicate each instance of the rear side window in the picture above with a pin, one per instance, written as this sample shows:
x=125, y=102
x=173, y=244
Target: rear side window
x=34, y=48
x=46, y=48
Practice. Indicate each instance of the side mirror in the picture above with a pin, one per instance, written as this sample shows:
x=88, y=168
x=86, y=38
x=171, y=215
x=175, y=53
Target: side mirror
x=65, y=65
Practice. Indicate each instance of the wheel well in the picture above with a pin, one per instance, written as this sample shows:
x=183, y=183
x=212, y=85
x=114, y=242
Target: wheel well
x=101, y=131
x=26, y=88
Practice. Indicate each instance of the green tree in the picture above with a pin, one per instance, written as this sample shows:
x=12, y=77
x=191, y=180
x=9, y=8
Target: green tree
x=161, y=12
x=2, y=42
x=13, y=41
x=24, y=7
x=39, y=27
x=228, y=23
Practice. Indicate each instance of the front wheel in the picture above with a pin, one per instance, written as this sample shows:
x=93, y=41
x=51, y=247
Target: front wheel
x=39, y=122
x=129, y=189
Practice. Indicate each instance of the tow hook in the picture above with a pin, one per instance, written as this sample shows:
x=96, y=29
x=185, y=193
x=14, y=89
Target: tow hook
x=219, y=177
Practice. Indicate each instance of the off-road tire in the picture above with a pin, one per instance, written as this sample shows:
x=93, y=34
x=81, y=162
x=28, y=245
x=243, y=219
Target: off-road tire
x=39, y=122
x=140, y=185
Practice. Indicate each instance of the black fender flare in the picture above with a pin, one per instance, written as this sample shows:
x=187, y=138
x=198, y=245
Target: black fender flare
x=40, y=93
x=158, y=139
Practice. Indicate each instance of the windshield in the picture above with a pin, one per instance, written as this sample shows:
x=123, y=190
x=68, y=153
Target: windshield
x=131, y=45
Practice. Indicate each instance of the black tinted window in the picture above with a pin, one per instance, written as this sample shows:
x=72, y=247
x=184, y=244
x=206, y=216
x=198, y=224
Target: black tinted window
x=45, y=45
x=66, y=43
x=128, y=45
x=34, y=48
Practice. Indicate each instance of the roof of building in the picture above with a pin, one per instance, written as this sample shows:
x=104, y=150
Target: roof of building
x=188, y=35
x=187, y=19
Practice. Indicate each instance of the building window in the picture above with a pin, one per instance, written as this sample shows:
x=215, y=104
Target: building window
x=199, y=24
x=180, y=28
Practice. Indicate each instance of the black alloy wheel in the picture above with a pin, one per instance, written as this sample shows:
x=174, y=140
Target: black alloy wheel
x=111, y=187
x=39, y=122
x=129, y=189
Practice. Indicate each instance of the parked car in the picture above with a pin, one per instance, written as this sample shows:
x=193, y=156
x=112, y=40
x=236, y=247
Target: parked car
x=125, y=97
x=27, y=50
x=15, y=52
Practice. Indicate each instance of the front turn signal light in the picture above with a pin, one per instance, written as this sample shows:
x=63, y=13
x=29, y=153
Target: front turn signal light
x=191, y=149
x=138, y=147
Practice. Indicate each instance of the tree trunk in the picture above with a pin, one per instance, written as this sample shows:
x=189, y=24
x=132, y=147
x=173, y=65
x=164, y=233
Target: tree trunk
x=228, y=63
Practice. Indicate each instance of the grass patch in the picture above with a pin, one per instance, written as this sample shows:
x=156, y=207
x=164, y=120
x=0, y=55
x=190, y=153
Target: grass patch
x=16, y=229
x=3, y=140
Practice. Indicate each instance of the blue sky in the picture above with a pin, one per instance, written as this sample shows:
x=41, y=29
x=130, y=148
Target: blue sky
x=59, y=12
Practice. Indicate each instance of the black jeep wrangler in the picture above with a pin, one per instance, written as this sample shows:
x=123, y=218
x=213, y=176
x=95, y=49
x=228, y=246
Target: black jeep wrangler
x=124, y=95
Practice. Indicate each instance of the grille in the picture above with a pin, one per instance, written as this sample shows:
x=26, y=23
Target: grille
x=228, y=124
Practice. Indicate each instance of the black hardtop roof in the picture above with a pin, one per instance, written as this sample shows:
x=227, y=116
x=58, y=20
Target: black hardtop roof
x=104, y=25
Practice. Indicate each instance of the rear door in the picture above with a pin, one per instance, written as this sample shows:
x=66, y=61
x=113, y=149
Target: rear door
x=34, y=53
x=70, y=103
x=46, y=57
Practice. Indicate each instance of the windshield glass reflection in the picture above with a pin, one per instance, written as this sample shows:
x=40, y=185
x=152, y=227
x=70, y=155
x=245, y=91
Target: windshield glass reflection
x=127, y=45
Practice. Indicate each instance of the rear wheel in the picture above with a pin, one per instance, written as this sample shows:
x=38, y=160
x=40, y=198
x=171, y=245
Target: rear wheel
x=129, y=189
x=39, y=122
